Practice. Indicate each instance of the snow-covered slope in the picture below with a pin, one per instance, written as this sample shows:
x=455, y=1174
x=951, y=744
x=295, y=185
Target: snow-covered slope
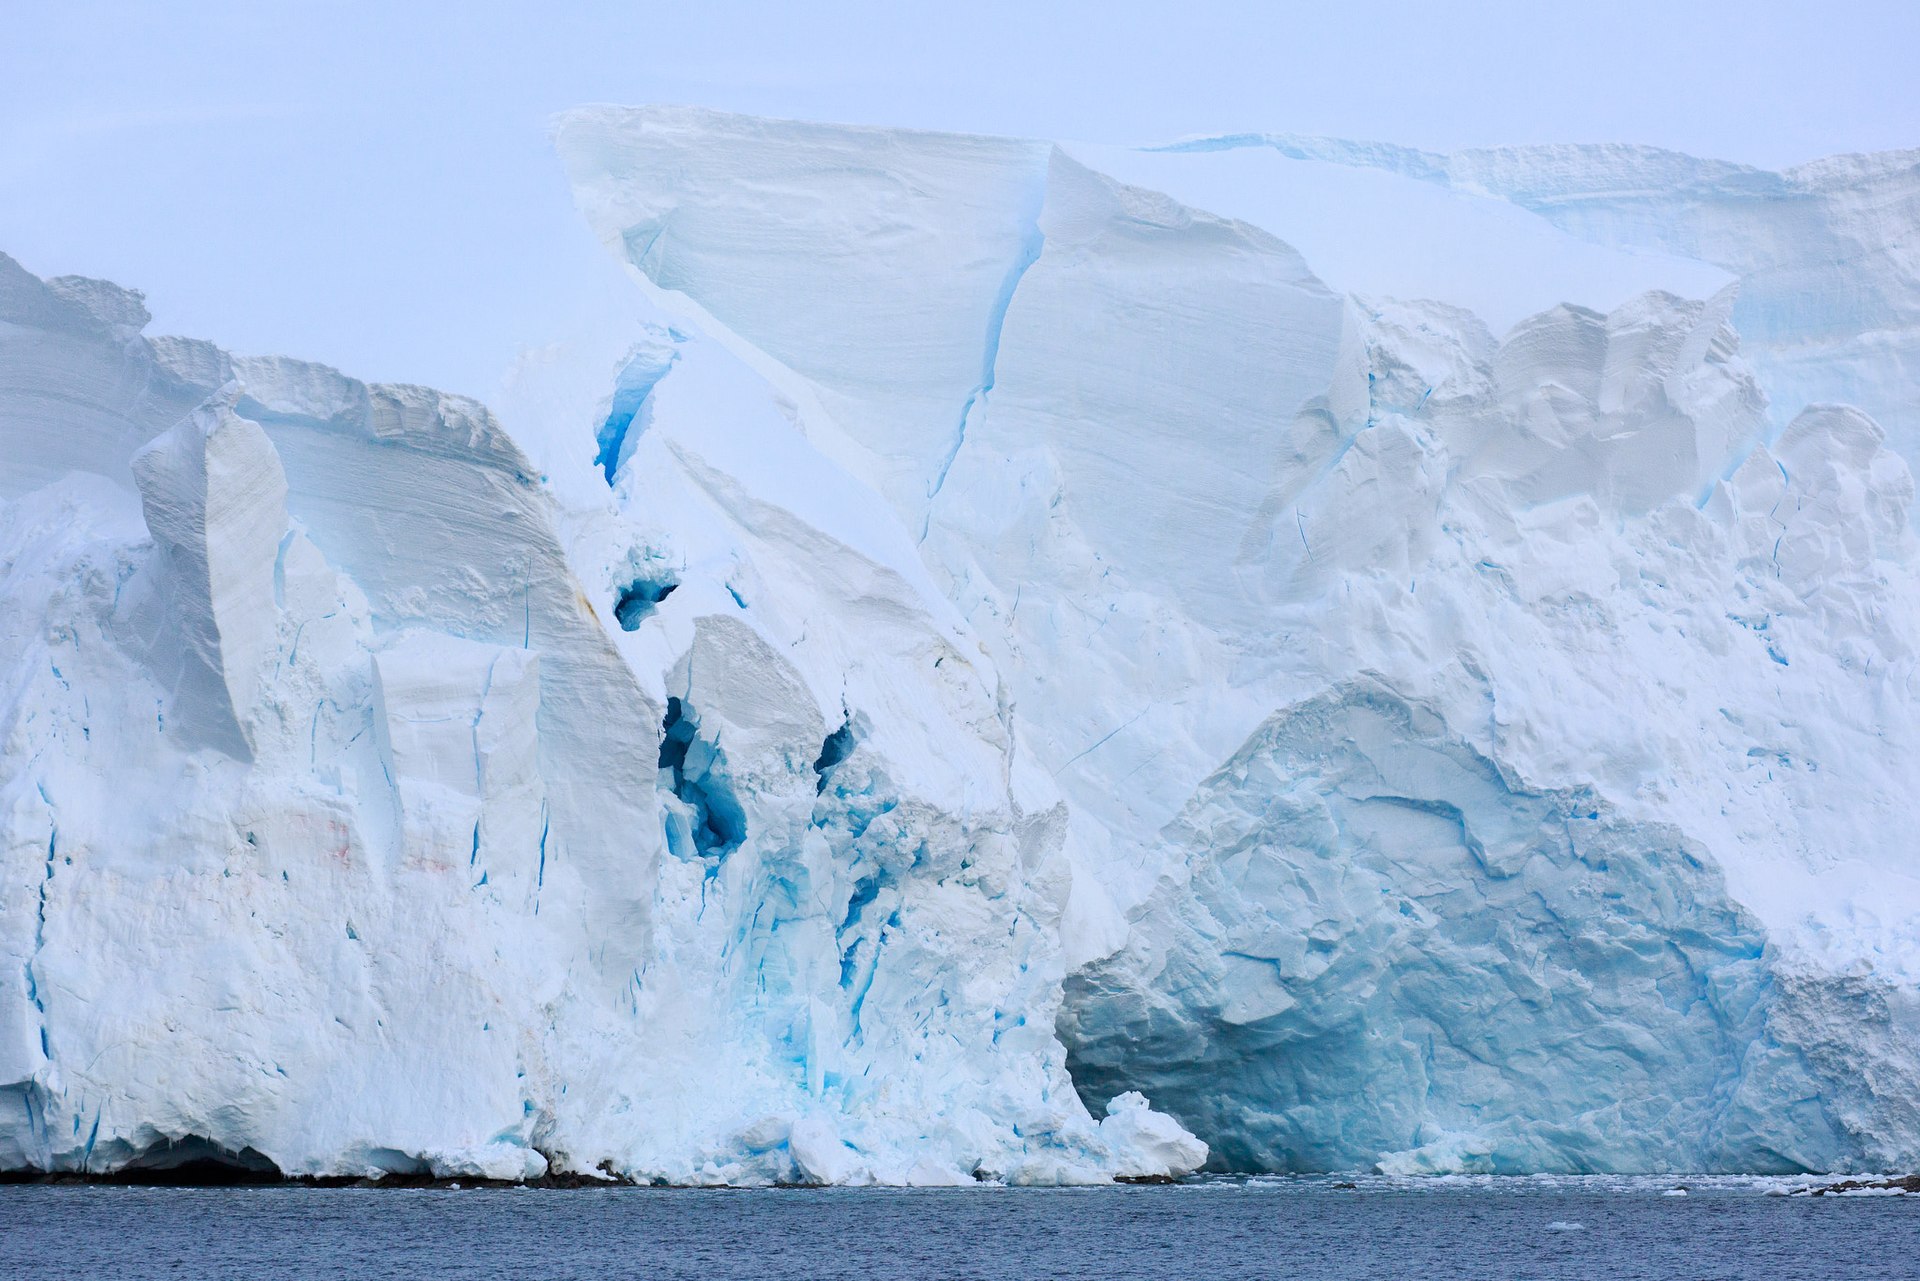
x=1399, y=670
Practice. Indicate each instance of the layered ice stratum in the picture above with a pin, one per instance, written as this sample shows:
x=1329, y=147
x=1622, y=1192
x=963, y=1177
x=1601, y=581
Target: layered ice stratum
x=1038, y=663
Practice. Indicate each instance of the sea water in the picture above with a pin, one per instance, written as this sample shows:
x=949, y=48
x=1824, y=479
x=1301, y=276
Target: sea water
x=1743, y=1229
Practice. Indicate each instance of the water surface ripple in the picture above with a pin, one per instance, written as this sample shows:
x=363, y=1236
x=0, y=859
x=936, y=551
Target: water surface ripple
x=1291, y=1228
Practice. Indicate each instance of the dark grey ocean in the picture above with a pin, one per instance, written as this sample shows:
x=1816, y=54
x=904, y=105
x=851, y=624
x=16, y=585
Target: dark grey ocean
x=1289, y=1229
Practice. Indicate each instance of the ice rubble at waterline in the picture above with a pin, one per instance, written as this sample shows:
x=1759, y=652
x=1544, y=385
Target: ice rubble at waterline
x=1005, y=637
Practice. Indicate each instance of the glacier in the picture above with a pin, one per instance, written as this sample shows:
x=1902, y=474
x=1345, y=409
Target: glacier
x=1023, y=661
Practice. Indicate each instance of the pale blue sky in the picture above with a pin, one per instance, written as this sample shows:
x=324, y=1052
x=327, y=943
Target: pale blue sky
x=370, y=184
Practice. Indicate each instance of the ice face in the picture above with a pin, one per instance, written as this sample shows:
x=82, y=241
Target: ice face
x=348, y=829
x=1390, y=951
x=1015, y=645
x=1828, y=305
x=1480, y=748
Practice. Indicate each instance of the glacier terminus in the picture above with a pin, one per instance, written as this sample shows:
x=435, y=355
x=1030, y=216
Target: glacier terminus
x=1039, y=663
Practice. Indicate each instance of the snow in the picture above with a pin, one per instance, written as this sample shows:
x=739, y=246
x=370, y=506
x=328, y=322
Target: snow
x=1369, y=230
x=1829, y=302
x=1402, y=661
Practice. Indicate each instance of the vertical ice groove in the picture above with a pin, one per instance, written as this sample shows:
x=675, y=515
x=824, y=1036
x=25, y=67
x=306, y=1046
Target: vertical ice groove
x=645, y=366
x=1033, y=243
x=34, y=995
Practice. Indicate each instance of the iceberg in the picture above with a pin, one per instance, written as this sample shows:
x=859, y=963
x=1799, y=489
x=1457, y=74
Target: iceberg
x=1039, y=663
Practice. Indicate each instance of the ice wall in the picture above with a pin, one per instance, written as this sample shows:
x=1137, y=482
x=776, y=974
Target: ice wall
x=1482, y=748
x=354, y=820
x=1828, y=307
x=1034, y=627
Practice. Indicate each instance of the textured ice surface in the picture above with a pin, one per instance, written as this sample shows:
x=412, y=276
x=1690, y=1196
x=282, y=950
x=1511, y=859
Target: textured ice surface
x=1484, y=748
x=1427, y=693
x=356, y=822
x=1828, y=307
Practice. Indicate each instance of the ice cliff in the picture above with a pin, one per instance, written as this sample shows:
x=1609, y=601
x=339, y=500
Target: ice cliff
x=355, y=822
x=1401, y=661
